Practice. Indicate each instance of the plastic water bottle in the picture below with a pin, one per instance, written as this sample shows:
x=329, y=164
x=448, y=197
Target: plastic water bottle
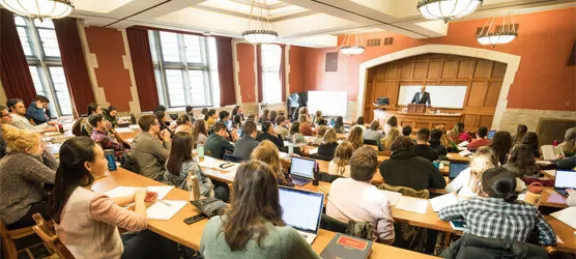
x=193, y=185
x=290, y=149
x=200, y=152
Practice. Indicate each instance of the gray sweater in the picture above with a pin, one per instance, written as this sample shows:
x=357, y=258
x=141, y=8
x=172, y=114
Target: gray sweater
x=151, y=154
x=280, y=243
x=21, y=183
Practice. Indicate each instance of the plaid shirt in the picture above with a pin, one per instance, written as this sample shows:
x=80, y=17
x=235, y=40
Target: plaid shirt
x=496, y=218
x=106, y=142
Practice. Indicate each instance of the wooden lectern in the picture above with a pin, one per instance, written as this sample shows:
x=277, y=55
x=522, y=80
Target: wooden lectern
x=416, y=108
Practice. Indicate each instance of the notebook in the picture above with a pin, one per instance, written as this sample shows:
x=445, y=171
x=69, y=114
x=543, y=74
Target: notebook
x=566, y=216
x=550, y=152
x=412, y=204
x=443, y=201
x=164, y=210
x=347, y=247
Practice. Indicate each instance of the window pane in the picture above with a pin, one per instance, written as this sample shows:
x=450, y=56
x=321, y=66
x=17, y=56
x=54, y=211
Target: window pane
x=193, y=49
x=175, y=84
x=45, y=23
x=20, y=20
x=61, y=90
x=24, y=40
x=214, y=75
x=170, y=50
x=197, y=87
x=272, y=87
x=37, y=80
x=49, y=42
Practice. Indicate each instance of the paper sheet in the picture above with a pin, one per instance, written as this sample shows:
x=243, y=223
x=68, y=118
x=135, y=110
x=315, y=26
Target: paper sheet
x=122, y=191
x=463, y=144
x=161, y=190
x=123, y=129
x=313, y=151
x=544, y=162
x=550, y=172
x=215, y=173
x=162, y=211
x=394, y=197
x=134, y=127
x=567, y=216
x=412, y=204
x=443, y=201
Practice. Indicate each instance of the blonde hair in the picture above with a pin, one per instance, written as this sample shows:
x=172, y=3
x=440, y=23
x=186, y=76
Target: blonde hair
x=392, y=135
x=445, y=139
x=356, y=137
x=268, y=153
x=321, y=131
x=342, y=156
x=18, y=140
x=482, y=160
x=330, y=136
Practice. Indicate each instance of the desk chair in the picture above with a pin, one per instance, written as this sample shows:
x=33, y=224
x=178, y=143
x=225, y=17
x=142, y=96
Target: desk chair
x=332, y=224
x=45, y=231
x=329, y=178
x=233, y=159
x=318, y=157
x=9, y=250
x=372, y=142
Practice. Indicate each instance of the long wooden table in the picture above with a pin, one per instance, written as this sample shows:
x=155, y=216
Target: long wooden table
x=190, y=235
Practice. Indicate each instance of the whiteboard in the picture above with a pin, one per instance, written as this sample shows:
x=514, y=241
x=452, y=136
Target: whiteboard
x=441, y=96
x=331, y=103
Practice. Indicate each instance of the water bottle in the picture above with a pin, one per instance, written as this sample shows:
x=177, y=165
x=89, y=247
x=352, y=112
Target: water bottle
x=316, y=179
x=436, y=164
x=132, y=119
x=290, y=149
x=200, y=152
x=109, y=154
x=193, y=185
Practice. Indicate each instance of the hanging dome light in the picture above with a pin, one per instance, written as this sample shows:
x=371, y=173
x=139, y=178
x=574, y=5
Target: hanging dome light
x=502, y=34
x=260, y=28
x=41, y=9
x=354, y=48
x=447, y=9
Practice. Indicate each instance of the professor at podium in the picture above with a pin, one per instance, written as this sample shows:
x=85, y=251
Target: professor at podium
x=422, y=97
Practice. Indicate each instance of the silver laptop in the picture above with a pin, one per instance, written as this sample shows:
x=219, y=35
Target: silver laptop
x=564, y=180
x=302, y=211
x=302, y=170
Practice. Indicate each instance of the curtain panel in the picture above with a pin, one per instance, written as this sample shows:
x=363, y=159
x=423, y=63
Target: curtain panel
x=143, y=68
x=225, y=71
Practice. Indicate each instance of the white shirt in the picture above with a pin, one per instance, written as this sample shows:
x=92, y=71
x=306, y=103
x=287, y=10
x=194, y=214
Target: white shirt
x=460, y=184
x=21, y=122
x=334, y=169
x=361, y=202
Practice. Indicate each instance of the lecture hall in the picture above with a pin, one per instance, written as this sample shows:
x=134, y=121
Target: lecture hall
x=287, y=129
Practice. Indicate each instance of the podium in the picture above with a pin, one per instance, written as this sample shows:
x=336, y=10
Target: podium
x=416, y=108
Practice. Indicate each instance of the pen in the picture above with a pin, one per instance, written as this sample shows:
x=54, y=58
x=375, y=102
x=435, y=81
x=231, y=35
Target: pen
x=165, y=203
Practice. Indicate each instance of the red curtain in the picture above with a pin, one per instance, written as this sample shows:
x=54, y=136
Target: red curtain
x=283, y=71
x=143, y=68
x=74, y=63
x=259, y=71
x=225, y=71
x=14, y=71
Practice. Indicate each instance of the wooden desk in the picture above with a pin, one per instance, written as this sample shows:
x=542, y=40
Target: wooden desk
x=457, y=157
x=418, y=121
x=566, y=234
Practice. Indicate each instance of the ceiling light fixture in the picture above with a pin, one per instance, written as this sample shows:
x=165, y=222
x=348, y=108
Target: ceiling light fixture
x=501, y=34
x=447, y=9
x=41, y=9
x=259, y=27
x=354, y=48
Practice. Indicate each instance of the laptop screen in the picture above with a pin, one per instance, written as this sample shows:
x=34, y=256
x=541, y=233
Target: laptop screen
x=456, y=168
x=302, y=167
x=565, y=179
x=491, y=134
x=301, y=209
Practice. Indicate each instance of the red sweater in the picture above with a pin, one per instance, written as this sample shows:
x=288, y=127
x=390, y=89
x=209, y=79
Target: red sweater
x=476, y=143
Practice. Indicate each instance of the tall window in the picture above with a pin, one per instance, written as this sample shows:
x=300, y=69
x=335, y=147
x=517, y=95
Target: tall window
x=186, y=69
x=40, y=46
x=271, y=85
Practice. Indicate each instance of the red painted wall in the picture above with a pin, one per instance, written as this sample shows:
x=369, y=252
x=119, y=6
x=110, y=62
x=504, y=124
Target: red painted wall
x=108, y=46
x=296, y=76
x=246, y=74
x=543, y=81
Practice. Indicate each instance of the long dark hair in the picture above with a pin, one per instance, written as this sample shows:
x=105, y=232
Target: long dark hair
x=500, y=183
x=295, y=128
x=71, y=173
x=255, y=201
x=531, y=139
x=339, y=122
x=235, y=110
x=522, y=157
x=501, y=143
x=237, y=121
x=520, y=133
x=200, y=127
x=180, y=152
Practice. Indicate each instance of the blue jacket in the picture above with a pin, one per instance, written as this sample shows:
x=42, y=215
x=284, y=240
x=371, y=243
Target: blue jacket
x=37, y=114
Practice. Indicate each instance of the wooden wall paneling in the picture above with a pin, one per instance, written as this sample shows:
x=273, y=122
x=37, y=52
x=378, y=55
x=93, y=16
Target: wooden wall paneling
x=392, y=71
x=498, y=71
x=380, y=72
x=450, y=69
x=485, y=121
x=477, y=93
x=420, y=70
x=466, y=70
x=471, y=122
x=406, y=69
x=483, y=69
x=493, y=93
x=392, y=91
x=434, y=69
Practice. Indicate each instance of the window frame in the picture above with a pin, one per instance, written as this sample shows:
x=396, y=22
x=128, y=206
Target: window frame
x=267, y=70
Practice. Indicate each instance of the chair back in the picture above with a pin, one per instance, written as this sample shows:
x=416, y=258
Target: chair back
x=7, y=237
x=45, y=231
x=406, y=191
x=318, y=157
x=332, y=224
x=329, y=178
x=233, y=159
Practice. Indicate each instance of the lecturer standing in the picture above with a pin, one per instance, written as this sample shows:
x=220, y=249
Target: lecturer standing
x=422, y=97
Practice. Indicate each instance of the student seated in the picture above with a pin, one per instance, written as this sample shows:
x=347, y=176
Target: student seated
x=111, y=115
x=319, y=139
x=436, y=143
x=339, y=125
x=329, y=144
x=480, y=139
x=87, y=222
x=459, y=134
x=391, y=123
x=253, y=226
x=406, y=131
x=268, y=153
x=150, y=148
x=522, y=162
x=268, y=133
x=521, y=131
x=23, y=171
x=306, y=129
x=360, y=123
x=100, y=135
x=282, y=127
x=18, y=111
x=237, y=111
x=567, y=163
x=340, y=165
x=93, y=108
x=190, y=112
x=183, y=124
x=422, y=149
x=162, y=118
x=217, y=144
x=357, y=199
x=200, y=133
x=297, y=138
x=408, y=170
x=390, y=137
x=356, y=137
x=244, y=146
x=210, y=118
x=498, y=214
x=225, y=119
x=569, y=143
x=264, y=116
x=531, y=140
x=38, y=110
x=373, y=133
x=501, y=143
x=272, y=116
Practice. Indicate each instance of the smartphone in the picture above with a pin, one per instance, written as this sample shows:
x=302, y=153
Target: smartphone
x=194, y=219
x=109, y=154
x=458, y=225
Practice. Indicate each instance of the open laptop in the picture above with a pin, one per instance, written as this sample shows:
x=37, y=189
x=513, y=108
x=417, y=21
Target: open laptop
x=456, y=168
x=564, y=180
x=302, y=170
x=491, y=134
x=302, y=210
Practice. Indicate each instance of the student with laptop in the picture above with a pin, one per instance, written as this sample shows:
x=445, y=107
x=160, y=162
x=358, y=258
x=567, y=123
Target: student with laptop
x=522, y=162
x=302, y=170
x=268, y=153
x=253, y=226
x=357, y=199
x=466, y=180
x=497, y=214
x=480, y=139
x=565, y=181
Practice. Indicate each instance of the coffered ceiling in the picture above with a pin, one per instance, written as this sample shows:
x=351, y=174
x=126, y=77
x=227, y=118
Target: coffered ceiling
x=313, y=23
